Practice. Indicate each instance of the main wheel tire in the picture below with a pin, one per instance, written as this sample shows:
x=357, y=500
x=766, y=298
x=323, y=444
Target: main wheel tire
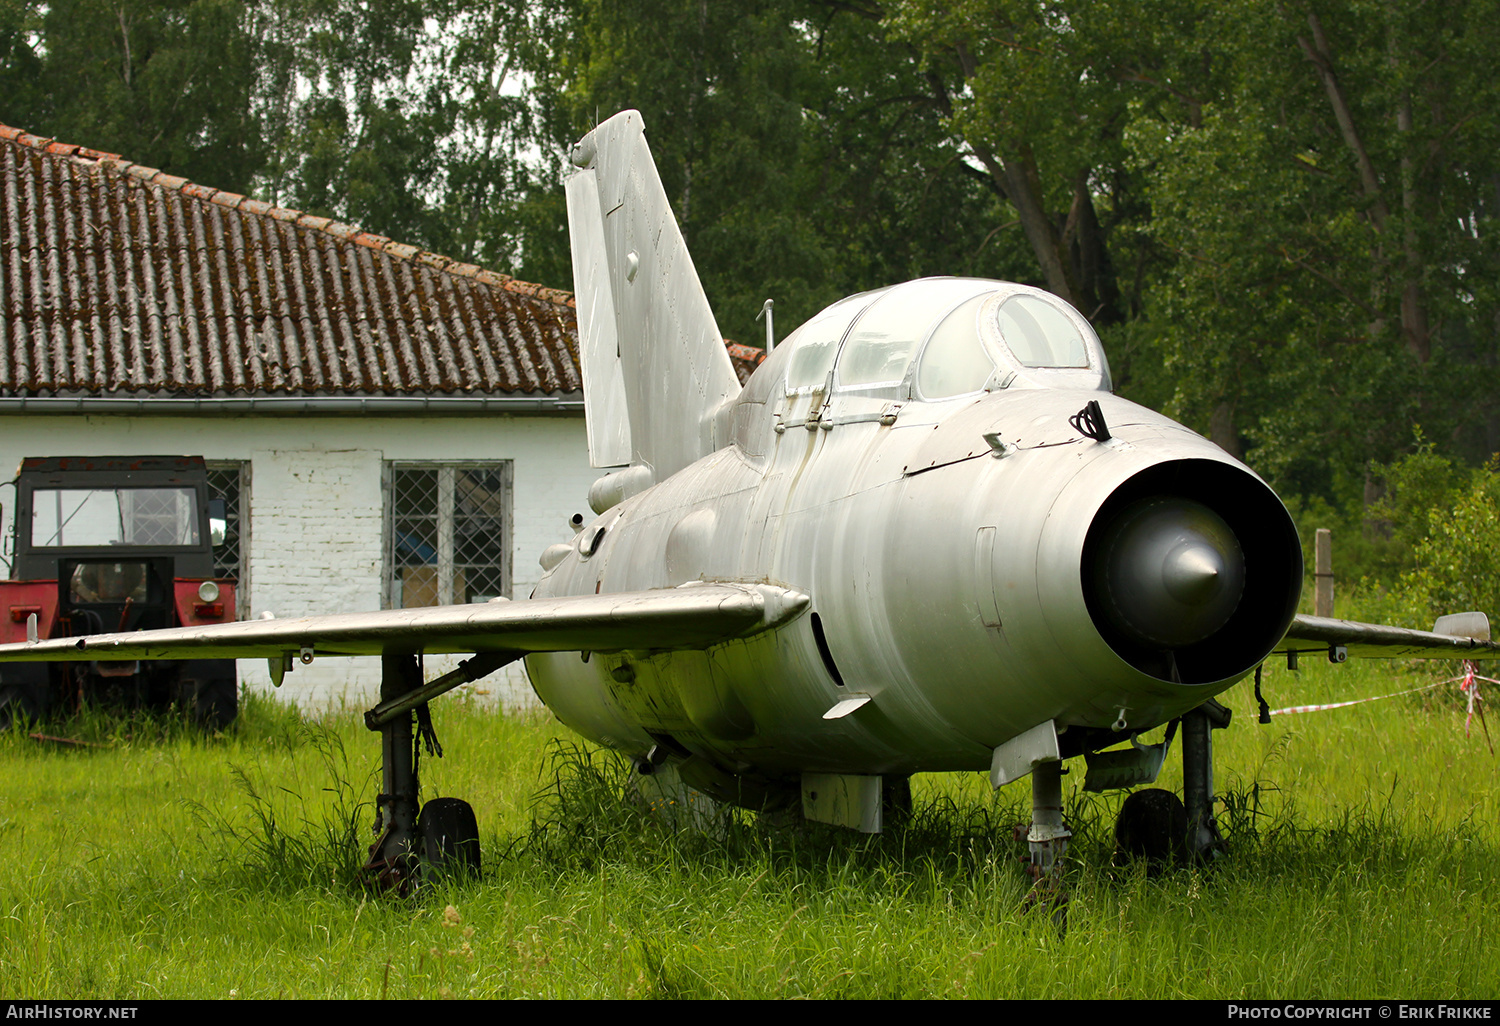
x=450, y=836
x=1152, y=825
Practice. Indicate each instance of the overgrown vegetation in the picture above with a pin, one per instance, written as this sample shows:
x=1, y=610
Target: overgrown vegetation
x=287, y=842
x=1429, y=546
x=1363, y=861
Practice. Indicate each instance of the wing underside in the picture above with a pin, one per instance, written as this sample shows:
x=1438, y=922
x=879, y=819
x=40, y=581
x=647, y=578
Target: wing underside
x=674, y=618
x=1462, y=636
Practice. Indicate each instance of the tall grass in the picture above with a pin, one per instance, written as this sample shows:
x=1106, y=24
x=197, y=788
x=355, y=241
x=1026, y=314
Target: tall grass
x=282, y=847
x=1362, y=862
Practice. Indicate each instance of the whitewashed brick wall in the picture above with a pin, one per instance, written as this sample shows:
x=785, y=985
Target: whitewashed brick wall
x=317, y=512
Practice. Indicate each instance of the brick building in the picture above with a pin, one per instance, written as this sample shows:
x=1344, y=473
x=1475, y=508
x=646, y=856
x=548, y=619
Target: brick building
x=389, y=427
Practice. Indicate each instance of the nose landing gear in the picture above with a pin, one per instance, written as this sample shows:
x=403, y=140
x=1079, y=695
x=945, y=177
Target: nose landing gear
x=1048, y=841
x=1155, y=825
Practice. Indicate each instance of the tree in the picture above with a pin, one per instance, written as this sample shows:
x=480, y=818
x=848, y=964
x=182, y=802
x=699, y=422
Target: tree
x=803, y=151
x=1304, y=193
x=166, y=82
x=1334, y=242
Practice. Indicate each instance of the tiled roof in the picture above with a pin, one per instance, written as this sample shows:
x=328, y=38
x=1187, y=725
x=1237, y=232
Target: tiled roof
x=121, y=280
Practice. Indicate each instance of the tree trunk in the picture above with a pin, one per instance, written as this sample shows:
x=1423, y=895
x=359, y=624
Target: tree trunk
x=1015, y=171
x=1221, y=429
x=1413, y=312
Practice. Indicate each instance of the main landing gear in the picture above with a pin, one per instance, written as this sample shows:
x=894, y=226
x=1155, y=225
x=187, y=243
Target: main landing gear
x=444, y=835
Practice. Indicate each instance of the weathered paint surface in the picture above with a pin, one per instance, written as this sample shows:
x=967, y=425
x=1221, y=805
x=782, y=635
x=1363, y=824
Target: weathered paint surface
x=118, y=278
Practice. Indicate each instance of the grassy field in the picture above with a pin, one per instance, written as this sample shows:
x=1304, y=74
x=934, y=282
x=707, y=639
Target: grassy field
x=1365, y=862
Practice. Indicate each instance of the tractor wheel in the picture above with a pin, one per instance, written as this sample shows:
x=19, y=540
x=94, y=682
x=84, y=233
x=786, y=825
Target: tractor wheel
x=213, y=703
x=16, y=706
x=23, y=698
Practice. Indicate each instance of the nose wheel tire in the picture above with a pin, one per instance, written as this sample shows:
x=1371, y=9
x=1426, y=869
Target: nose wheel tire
x=1152, y=825
x=450, y=836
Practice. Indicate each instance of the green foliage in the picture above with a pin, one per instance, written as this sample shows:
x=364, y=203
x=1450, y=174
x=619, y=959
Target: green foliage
x=583, y=809
x=1458, y=562
x=1429, y=546
x=168, y=83
x=804, y=152
x=1350, y=863
x=291, y=842
x=1418, y=487
x=1282, y=220
x=25, y=99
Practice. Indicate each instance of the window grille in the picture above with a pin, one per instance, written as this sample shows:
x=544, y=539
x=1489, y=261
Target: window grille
x=230, y=480
x=160, y=516
x=448, y=536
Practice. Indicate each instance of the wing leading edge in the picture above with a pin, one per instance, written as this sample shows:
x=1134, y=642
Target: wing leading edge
x=692, y=616
x=1459, y=636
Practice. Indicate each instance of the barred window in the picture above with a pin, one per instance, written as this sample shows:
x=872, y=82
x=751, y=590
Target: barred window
x=229, y=482
x=448, y=533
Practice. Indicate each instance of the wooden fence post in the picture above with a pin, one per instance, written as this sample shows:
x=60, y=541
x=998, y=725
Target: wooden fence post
x=1323, y=573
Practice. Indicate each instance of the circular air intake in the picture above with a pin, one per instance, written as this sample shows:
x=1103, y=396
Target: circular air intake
x=1192, y=570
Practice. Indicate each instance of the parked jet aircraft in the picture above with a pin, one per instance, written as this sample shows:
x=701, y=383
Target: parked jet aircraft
x=924, y=536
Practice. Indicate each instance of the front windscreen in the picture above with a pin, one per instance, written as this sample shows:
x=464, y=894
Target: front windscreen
x=954, y=361
x=1040, y=334
x=90, y=517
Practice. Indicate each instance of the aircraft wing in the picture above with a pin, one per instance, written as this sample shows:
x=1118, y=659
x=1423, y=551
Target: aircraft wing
x=1459, y=636
x=692, y=616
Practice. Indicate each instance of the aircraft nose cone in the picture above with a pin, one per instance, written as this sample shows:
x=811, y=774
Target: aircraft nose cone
x=1192, y=572
x=1170, y=572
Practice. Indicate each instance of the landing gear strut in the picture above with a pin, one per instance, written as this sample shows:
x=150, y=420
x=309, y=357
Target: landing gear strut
x=392, y=860
x=1155, y=824
x=446, y=834
x=1198, y=726
x=1048, y=840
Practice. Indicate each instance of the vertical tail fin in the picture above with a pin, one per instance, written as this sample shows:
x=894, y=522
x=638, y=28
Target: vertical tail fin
x=655, y=370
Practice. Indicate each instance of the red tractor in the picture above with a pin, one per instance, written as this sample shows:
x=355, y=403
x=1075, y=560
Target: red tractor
x=110, y=544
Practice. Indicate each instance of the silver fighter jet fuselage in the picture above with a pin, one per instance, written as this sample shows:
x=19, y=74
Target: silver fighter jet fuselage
x=977, y=563
x=924, y=536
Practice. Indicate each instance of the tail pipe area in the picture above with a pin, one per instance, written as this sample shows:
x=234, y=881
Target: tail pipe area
x=1192, y=570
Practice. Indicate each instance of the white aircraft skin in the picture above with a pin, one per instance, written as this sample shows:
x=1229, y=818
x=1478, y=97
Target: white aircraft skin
x=946, y=572
x=914, y=460
x=953, y=596
x=923, y=537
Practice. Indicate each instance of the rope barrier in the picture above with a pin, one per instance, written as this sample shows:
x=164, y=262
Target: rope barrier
x=1468, y=684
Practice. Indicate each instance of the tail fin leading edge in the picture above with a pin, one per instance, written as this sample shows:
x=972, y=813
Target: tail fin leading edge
x=655, y=369
x=605, y=412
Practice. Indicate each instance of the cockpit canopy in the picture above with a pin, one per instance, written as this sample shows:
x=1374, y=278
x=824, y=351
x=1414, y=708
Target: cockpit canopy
x=937, y=338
